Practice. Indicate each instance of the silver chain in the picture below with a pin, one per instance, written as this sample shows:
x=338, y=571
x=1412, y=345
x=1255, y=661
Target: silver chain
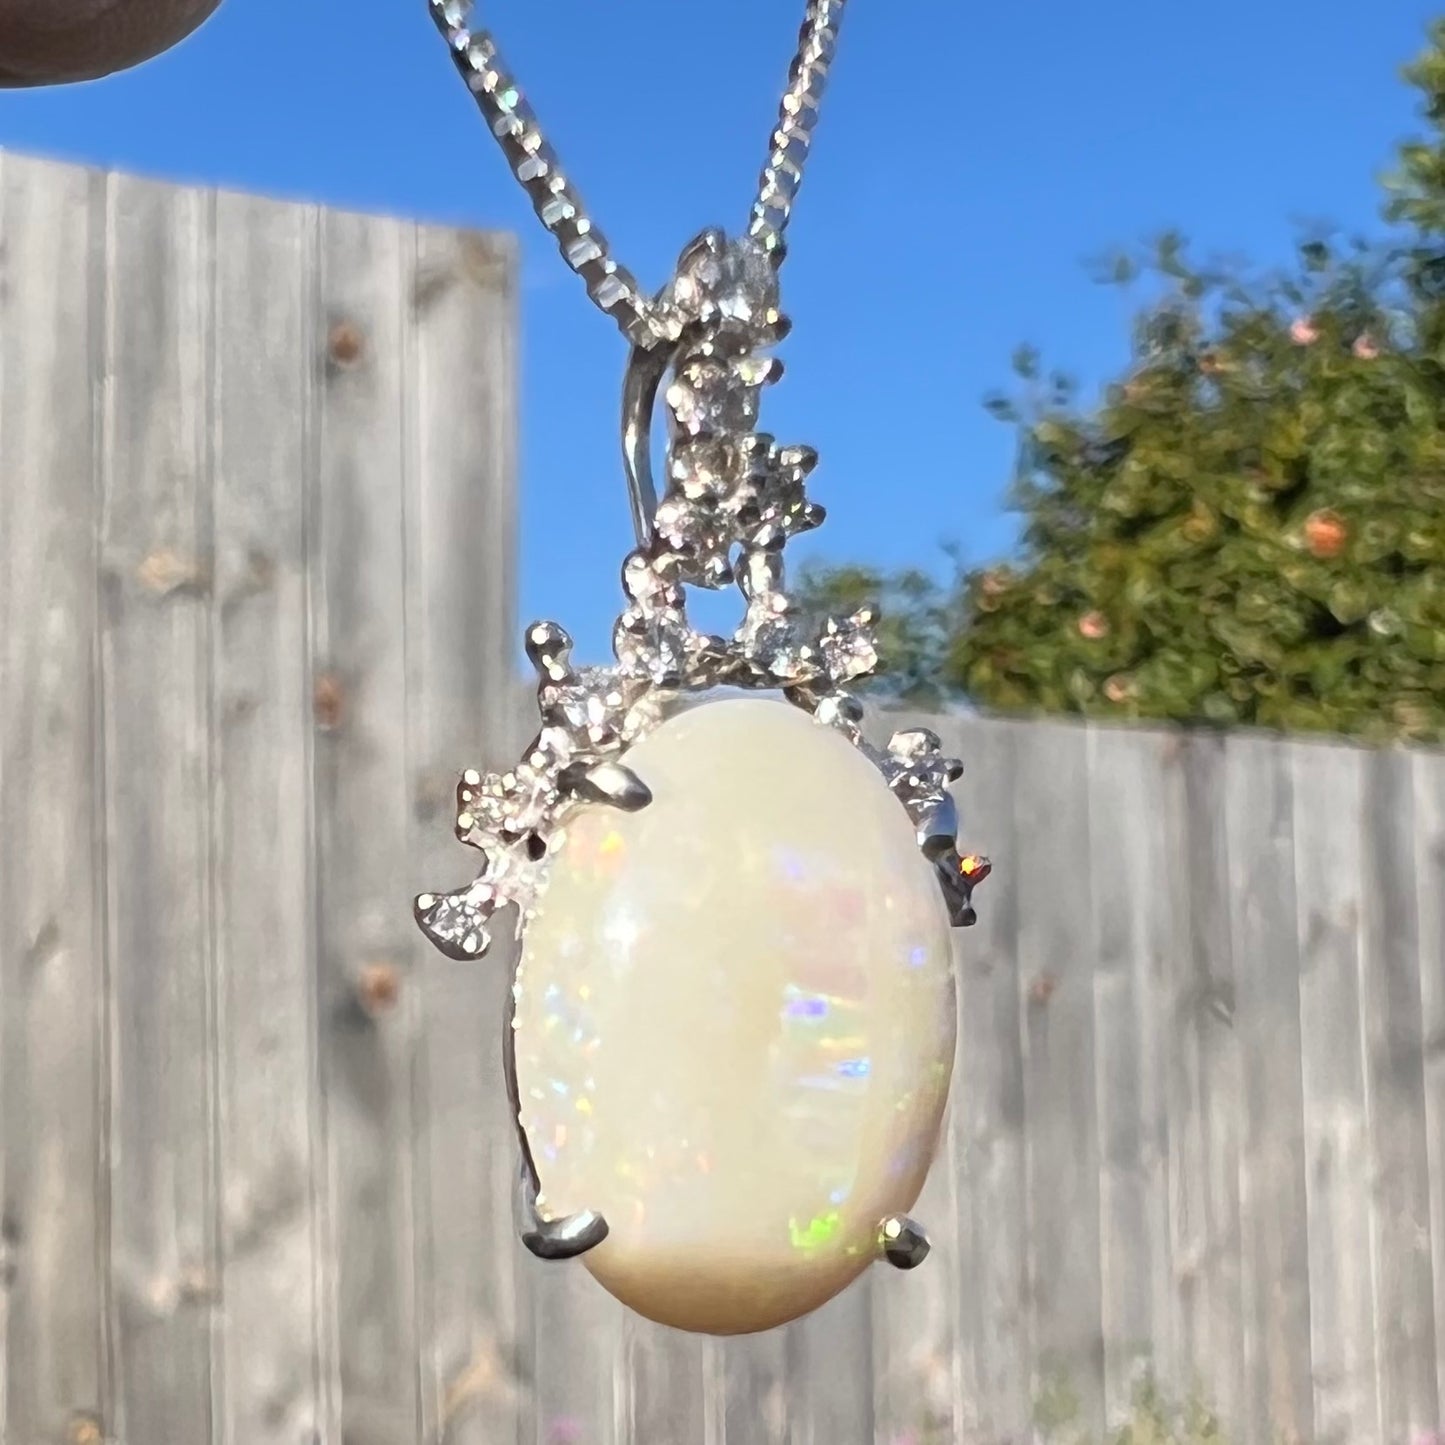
x=797, y=117
x=555, y=200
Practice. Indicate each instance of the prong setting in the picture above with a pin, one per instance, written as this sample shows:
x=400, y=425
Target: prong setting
x=902, y=1242
x=733, y=498
x=567, y=1237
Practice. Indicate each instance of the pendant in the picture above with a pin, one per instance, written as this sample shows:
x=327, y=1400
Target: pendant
x=733, y=1016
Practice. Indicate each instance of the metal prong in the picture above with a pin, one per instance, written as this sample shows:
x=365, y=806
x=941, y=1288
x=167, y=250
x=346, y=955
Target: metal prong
x=914, y=745
x=902, y=1242
x=959, y=876
x=711, y=242
x=548, y=649
x=914, y=742
x=610, y=783
x=456, y=923
x=565, y=1238
x=938, y=828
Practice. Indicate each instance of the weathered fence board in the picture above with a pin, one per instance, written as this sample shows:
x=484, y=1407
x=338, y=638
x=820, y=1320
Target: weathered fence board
x=1205, y=1083
x=154, y=534
x=363, y=811
x=1327, y=785
x=996, y=1386
x=257, y=583
x=268, y=1138
x=54, y=1312
x=1126, y=778
x=1394, y=1062
x=1056, y=913
x=1428, y=789
x=460, y=631
x=1273, y=1221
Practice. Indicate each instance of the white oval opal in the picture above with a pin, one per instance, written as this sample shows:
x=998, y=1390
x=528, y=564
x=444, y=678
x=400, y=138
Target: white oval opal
x=735, y=1020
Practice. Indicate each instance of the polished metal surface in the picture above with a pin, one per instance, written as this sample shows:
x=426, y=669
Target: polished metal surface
x=902, y=1242
x=797, y=117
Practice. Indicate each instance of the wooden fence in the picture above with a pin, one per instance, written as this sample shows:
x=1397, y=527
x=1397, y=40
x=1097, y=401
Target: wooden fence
x=256, y=580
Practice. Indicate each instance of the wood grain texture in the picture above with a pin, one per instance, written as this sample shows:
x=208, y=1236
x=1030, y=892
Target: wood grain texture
x=460, y=626
x=1056, y=964
x=53, y=1286
x=995, y=1395
x=1391, y=1006
x=1275, y=1322
x=1205, y=1078
x=156, y=577
x=1328, y=812
x=668, y=1387
x=830, y=1371
x=368, y=1009
x=261, y=784
x=1428, y=792
x=1132, y=933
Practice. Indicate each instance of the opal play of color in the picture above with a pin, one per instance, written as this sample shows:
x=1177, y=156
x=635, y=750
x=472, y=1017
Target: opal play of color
x=736, y=1019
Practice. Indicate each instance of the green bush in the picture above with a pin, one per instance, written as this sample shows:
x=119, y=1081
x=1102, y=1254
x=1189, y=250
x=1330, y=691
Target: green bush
x=1250, y=528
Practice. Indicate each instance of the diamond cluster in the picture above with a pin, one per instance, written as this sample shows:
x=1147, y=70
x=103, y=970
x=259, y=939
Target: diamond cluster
x=733, y=498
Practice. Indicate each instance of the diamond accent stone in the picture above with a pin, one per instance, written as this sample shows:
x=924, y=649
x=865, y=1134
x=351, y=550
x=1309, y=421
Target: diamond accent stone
x=710, y=398
x=729, y=286
x=848, y=647
x=592, y=707
x=658, y=646
x=916, y=767
x=512, y=803
x=457, y=922
x=699, y=538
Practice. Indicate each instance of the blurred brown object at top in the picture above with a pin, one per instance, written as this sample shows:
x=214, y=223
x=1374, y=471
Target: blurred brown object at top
x=54, y=42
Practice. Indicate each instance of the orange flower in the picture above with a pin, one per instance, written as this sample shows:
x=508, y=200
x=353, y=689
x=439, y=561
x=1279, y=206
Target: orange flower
x=1303, y=331
x=1093, y=625
x=1118, y=689
x=1366, y=348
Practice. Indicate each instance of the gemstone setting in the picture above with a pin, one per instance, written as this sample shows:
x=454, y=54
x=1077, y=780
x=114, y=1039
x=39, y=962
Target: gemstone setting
x=732, y=1027
x=735, y=1020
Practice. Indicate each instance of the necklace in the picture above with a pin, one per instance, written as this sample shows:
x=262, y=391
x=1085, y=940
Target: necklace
x=733, y=1017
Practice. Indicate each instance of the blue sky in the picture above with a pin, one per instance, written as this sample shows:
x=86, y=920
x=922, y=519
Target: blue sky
x=971, y=158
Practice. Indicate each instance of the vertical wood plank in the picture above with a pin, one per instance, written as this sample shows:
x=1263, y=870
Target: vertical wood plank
x=366, y=1009
x=576, y=1348
x=52, y=1293
x=830, y=1371
x=1394, y=1059
x=1429, y=795
x=1275, y=1323
x=1205, y=1081
x=462, y=712
x=1056, y=970
x=919, y=1348
x=995, y=1395
x=156, y=574
x=1132, y=929
x=755, y=1385
x=262, y=782
x=1327, y=784
x=669, y=1386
